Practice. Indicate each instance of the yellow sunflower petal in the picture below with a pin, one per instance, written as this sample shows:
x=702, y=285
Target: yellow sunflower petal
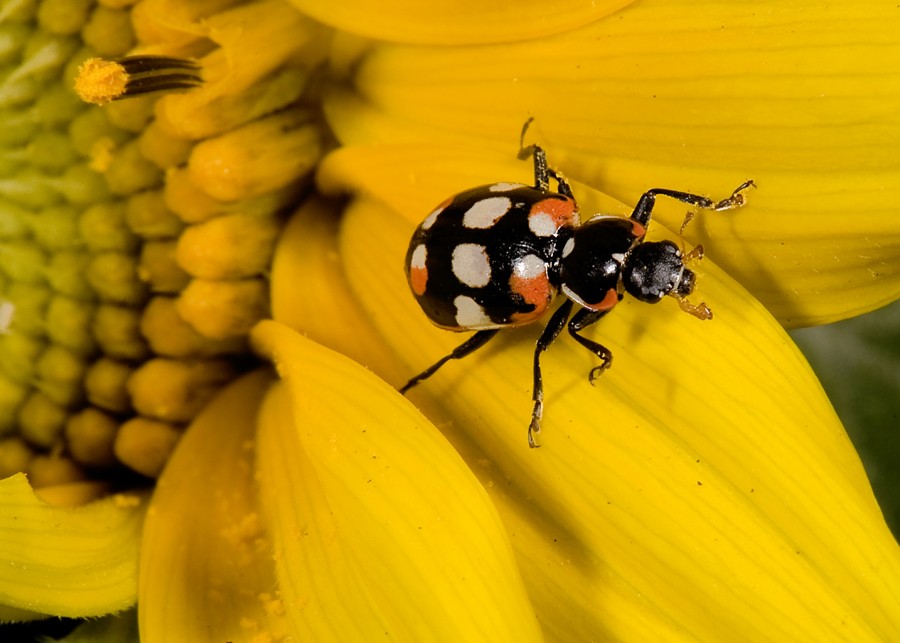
x=698, y=97
x=206, y=571
x=702, y=488
x=306, y=260
x=379, y=527
x=459, y=22
x=73, y=561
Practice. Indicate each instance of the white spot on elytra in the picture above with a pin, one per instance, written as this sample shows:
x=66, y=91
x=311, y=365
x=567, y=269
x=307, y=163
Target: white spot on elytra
x=529, y=267
x=505, y=187
x=542, y=225
x=431, y=218
x=418, y=257
x=485, y=212
x=618, y=257
x=569, y=247
x=469, y=314
x=471, y=265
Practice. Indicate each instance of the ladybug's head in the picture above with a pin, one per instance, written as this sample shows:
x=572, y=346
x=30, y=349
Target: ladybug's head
x=655, y=269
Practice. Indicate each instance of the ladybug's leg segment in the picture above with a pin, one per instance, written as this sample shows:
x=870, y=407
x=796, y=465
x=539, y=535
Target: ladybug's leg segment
x=581, y=320
x=644, y=208
x=542, y=172
x=551, y=332
x=468, y=347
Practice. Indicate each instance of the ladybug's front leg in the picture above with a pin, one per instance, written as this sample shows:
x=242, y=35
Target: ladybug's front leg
x=644, y=209
x=581, y=320
x=551, y=332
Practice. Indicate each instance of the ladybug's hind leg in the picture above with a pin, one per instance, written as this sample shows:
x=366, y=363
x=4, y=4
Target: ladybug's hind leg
x=551, y=332
x=468, y=347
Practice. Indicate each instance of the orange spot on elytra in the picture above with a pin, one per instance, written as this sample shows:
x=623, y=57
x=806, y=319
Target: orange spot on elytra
x=536, y=291
x=562, y=211
x=418, y=279
x=638, y=230
x=609, y=300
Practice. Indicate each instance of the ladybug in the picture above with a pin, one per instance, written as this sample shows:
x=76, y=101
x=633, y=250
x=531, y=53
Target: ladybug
x=497, y=256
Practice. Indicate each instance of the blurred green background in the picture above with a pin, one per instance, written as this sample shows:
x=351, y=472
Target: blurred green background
x=858, y=363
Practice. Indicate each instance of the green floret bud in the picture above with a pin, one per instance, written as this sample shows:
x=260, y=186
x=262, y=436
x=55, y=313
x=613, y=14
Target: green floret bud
x=68, y=323
x=60, y=372
x=103, y=227
x=41, y=420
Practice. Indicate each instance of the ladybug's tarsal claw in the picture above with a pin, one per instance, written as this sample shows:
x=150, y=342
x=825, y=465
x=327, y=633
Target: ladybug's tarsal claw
x=700, y=311
x=694, y=255
x=597, y=371
x=535, y=427
x=687, y=219
x=737, y=198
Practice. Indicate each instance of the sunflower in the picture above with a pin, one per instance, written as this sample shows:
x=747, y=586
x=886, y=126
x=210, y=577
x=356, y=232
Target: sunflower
x=259, y=201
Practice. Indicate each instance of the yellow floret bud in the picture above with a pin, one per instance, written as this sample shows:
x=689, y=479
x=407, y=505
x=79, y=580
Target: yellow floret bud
x=50, y=470
x=229, y=247
x=175, y=390
x=259, y=157
x=145, y=445
x=105, y=385
x=185, y=198
x=161, y=148
x=170, y=335
x=159, y=269
x=223, y=309
x=90, y=436
x=15, y=456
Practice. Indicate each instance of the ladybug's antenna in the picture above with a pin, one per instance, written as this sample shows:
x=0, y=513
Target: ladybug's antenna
x=524, y=152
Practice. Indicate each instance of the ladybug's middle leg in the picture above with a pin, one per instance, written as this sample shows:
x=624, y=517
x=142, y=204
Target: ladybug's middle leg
x=551, y=332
